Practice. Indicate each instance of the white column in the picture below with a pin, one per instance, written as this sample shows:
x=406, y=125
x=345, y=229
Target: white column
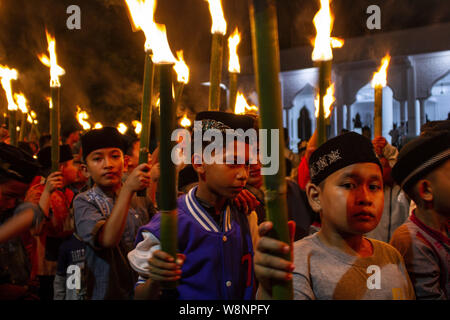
x=340, y=121
x=349, y=118
x=402, y=111
x=413, y=108
x=422, y=111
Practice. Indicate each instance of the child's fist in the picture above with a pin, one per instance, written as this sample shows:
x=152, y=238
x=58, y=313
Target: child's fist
x=139, y=179
x=269, y=266
x=163, y=267
x=54, y=181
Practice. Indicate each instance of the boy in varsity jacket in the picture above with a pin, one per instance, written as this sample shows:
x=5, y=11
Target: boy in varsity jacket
x=215, y=259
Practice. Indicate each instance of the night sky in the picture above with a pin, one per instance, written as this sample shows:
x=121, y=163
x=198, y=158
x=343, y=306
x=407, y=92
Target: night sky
x=104, y=60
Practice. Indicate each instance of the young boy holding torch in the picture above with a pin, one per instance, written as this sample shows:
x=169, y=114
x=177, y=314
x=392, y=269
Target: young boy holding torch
x=338, y=262
x=108, y=215
x=215, y=259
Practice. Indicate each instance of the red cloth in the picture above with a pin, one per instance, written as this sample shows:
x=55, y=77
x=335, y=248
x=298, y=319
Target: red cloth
x=303, y=174
x=59, y=226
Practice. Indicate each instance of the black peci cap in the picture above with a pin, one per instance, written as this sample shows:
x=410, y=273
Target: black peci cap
x=17, y=164
x=106, y=137
x=420, y=156
x=340, y=152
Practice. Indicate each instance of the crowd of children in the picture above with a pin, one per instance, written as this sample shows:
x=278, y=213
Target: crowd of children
x=367, y=221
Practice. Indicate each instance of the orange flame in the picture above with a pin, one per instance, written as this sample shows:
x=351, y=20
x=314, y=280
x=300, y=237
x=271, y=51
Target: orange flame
x=219, y=25
x=7, y=75
x=142, y=12
x=242, y=107
x=50, y=102
x=122, y=128
x=233, y=42
x=98, y=125
x=21, y=102
x=181, y=68
x=380, y=77
x=328, y=100
x=55, y=70
x=82, y=116
x=160, y=45
x=185, y=122
x=323, y=21
x=31, y=116
x=137, y=126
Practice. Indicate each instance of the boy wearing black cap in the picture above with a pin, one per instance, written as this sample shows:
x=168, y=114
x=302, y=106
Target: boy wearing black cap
x=423, y=171
x=215, y=259
x=108, y=215
x=17, y=170
x=338, y=262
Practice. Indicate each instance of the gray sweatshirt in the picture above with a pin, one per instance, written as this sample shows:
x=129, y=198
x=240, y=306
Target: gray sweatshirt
x=326, y=273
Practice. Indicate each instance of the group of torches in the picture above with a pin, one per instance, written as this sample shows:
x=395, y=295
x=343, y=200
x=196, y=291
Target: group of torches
x=159, y=57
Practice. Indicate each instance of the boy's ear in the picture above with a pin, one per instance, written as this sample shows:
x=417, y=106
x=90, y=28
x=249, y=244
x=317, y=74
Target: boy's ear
x=425, y=190
x=126, y=161
x=197, y=163
x=313, y=192
x=85, y=171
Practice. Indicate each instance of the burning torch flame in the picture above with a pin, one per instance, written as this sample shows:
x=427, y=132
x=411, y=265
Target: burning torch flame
x=50, y=102
x=98, y=125
x=328, y=100
x=380, y=78
x=21, y=102
x=160, y=45
x=142, y=12
x=233, y=42
x=31, y=116
x=323, y=21
x=82, y=116
x=242, y=106
x=181, y=68
x=137, y=126
x=185, y=122
x=219, y=25
x=55, y=70
x=7, y=75
x=122, y=128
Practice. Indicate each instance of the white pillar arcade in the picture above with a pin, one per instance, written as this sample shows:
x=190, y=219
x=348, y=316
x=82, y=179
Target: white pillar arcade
x=340, y=121
x=413, y=108
x=387, y=113
x=422, y=111
x=349, y=118
x=402, y=112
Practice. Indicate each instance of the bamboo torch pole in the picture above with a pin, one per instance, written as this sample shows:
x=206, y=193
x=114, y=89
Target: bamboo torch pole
x=215, y=73
x=168, y=196
x=55, y=126
x=146, y=112
x=379, y=81
x=218, y=30
x=378, y=111
x=324, y=82
x=55, y=72
x=233, y=78
x=12, y=127
x=22, y=127
x=266, y=58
